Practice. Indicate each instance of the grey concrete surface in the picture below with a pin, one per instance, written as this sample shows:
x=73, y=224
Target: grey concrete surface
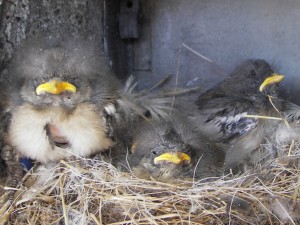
x=226, y=32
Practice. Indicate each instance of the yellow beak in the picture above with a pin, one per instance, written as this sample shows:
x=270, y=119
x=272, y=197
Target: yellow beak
x=173, y=157
x=55, y=87
x=274, y=78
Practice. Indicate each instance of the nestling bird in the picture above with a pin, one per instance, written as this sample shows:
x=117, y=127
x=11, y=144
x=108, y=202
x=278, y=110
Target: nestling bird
x=223, y=111
x=62, y=98
x=169, y=149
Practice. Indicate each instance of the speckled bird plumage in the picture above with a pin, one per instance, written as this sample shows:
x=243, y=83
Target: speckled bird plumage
x=47, y=127
x=151, y=139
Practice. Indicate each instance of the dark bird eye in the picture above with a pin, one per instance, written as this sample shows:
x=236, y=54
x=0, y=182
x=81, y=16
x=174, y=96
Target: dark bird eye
x=154, y=152
x=253, y=83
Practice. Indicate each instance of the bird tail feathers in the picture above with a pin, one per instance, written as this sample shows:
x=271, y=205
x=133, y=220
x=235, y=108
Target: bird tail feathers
x=142, y=103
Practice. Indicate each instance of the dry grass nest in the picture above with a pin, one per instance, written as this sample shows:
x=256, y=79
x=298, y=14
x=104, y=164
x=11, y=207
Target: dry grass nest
x=92, y=191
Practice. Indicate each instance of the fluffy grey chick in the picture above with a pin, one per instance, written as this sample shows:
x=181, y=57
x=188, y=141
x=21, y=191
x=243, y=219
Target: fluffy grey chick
x=222, y=111
x=288, y=131
x=171, y=149
x=61, y=96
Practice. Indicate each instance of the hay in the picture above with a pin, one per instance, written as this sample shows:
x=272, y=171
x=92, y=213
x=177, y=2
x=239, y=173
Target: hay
x=92, y=191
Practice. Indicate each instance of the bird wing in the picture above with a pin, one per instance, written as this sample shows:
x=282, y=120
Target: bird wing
x=225, y=118
x=291, y=111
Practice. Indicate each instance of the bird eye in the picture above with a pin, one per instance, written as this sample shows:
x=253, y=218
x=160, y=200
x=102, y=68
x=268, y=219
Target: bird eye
x=154, y=152
x=254, y=83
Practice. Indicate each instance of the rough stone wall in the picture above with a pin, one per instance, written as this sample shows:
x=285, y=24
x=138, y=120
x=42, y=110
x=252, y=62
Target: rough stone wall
x=23, y=18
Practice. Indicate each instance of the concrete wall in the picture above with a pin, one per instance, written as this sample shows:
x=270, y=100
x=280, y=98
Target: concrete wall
x=226, y=32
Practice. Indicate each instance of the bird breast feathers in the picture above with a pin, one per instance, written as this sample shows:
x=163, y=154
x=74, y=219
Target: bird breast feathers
x=84, y=128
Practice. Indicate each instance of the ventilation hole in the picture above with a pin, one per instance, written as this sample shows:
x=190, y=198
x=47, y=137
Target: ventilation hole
x=129, y=4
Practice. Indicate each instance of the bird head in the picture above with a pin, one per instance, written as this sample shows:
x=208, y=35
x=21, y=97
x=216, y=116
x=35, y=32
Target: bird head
x=161, y=157
x=161, y=149
x=172, y=149
x=164, y=148
x=61, y=74
x=254, y=80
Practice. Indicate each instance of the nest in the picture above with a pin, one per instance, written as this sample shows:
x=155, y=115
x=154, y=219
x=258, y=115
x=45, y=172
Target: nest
x=92, y=191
